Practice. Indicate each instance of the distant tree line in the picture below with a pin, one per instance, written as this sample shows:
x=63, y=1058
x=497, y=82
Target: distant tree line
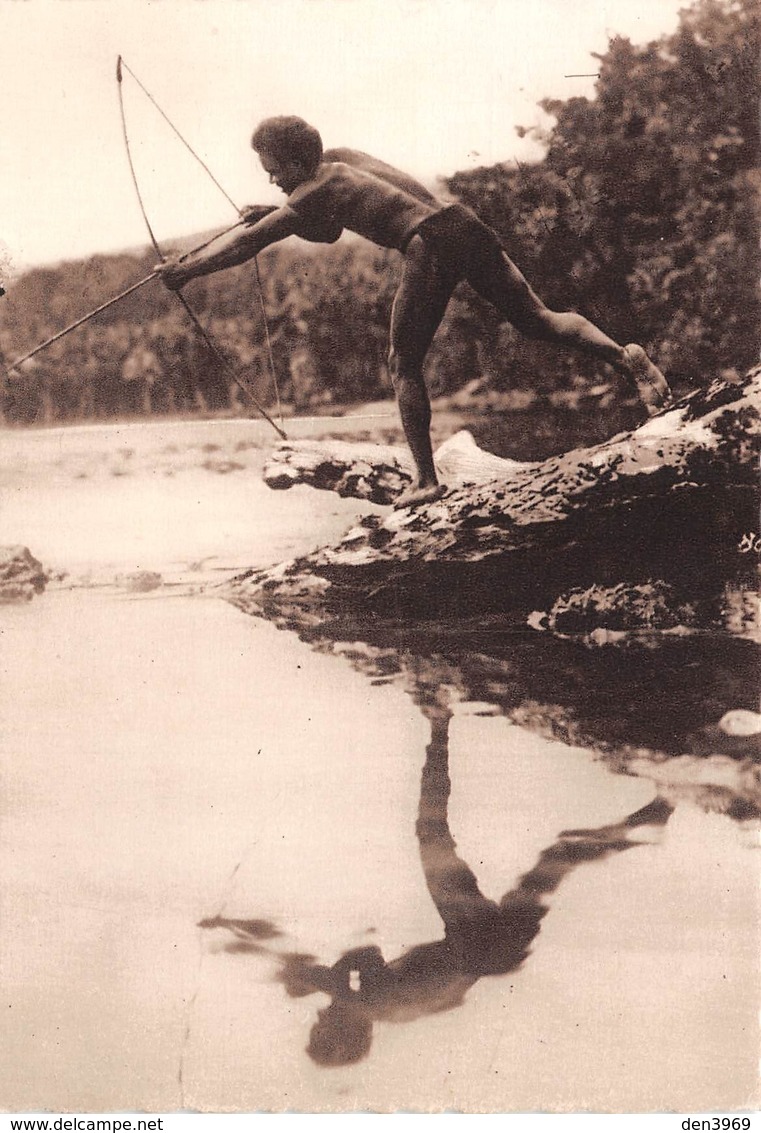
x=643, y=214
x=327, y=313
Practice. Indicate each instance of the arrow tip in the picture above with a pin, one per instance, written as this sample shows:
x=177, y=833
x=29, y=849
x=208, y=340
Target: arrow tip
x=119, y=69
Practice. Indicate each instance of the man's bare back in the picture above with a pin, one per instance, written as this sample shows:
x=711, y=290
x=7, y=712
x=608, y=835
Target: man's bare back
x=364, y=195
x=442, y=245
x=381, y=169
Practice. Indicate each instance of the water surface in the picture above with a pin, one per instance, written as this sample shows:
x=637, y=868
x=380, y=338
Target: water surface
x=498, y=873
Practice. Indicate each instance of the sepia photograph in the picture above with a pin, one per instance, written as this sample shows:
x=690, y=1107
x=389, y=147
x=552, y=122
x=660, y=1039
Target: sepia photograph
x=379, y=541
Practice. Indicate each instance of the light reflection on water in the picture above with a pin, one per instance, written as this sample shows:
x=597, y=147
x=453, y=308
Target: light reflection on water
x=481, y=937
x=652, y=710
x=531, y=885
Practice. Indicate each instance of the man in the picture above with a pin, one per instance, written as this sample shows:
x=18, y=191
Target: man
x=442, y=245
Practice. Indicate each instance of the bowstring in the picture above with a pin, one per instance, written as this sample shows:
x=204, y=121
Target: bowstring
x=184, y=141
x=122, y=63
x=267, y=339
x=212, y=346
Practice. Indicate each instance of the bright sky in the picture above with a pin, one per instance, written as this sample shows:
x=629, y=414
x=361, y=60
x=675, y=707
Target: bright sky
x=434, y=86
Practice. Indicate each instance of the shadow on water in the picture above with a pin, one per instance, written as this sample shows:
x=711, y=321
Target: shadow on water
x=481, y=937
x=655, y=711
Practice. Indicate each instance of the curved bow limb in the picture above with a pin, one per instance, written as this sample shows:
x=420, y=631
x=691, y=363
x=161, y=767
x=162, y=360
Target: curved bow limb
x=212, y=346
x=115, y=299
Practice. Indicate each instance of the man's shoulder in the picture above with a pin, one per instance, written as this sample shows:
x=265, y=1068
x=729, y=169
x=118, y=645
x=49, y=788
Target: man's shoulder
x=354, y=165
x=316, y=206
x=355, y=162
x=346, y=156
x=313, y=188
x=326, y=175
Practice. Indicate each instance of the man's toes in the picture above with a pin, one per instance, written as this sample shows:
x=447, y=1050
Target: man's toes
x=652, y=386
x=416, y=496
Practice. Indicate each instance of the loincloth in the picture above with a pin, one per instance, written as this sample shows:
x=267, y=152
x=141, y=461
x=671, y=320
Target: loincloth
x=458, y=239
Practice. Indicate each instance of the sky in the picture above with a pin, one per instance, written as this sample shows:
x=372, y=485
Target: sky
x=433, y=86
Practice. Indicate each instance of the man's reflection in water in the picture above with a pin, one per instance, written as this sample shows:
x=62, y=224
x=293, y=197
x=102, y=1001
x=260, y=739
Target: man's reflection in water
x=481, y=937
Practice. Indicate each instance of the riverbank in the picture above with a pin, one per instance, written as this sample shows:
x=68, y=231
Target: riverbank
x=204, y=820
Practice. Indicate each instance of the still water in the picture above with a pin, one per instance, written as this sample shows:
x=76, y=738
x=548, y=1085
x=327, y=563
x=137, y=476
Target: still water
x=240, y=874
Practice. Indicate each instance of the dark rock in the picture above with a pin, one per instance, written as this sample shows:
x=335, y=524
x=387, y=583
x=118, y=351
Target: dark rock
x=21, y=575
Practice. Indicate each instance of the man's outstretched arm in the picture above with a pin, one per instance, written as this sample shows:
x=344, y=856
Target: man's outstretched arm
x=231, y=249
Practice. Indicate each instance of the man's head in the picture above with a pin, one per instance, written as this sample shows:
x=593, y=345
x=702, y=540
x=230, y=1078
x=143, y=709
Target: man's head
x=343, y=1034
x=289, y=149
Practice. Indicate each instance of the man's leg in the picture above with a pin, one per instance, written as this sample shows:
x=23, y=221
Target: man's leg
x=497, y=279
x=419, y=306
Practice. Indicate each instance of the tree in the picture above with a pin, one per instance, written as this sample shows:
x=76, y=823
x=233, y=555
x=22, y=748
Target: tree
x=644, y=209
x=642, y=214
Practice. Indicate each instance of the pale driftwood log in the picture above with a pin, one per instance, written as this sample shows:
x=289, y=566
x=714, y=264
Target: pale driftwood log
x=669, y=502
x=378, y=473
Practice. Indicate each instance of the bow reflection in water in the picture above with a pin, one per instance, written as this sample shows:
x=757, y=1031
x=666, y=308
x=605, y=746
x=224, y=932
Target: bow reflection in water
x=481, y=937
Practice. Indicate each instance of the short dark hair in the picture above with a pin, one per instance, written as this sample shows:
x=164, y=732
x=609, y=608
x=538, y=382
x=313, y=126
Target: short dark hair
x=289, y=138
x=343, y=1034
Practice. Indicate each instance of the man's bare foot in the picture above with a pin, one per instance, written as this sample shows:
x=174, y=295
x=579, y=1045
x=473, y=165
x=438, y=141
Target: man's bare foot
x=425, y=494
x=651, y=384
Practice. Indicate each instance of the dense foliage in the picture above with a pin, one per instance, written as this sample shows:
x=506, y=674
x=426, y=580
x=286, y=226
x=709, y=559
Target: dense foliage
x=642, y=214
x=327, y=313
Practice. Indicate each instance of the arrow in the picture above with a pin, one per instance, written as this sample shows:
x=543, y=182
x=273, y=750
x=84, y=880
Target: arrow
x=115, y=299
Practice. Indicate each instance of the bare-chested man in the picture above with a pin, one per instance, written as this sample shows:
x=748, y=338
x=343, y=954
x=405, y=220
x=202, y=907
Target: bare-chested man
x=442, y=245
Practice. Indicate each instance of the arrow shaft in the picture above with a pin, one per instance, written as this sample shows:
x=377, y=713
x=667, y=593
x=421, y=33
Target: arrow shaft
x=115, y=299
x=84, y=319
x=238, y=378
